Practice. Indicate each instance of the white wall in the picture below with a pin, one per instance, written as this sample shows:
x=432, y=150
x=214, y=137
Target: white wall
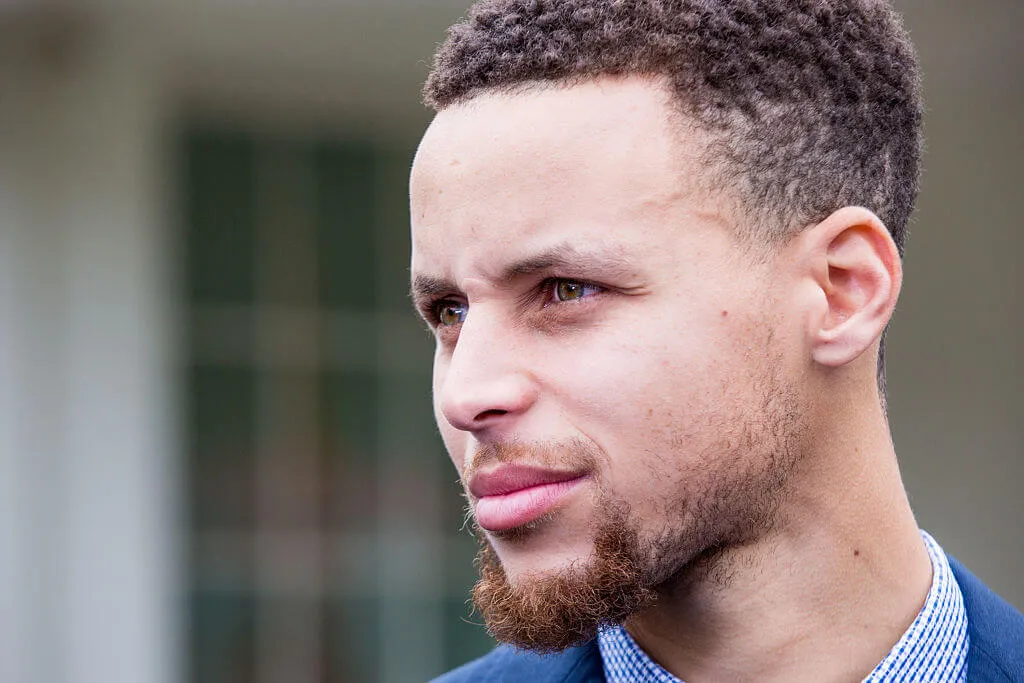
x=88, y=557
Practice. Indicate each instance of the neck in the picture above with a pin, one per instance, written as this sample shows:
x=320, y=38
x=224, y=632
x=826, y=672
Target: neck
x=823, y=596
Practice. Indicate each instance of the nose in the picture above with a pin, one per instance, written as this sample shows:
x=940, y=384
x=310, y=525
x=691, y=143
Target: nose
x=486, y=383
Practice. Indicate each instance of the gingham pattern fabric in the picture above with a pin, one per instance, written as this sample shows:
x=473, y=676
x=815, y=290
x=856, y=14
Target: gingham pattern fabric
x=934, y=648
x=625, y=662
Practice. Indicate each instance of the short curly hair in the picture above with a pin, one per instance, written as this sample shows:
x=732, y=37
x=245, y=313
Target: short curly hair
x=808, y=105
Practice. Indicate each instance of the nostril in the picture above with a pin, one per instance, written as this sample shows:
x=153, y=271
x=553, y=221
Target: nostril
x=489, y=413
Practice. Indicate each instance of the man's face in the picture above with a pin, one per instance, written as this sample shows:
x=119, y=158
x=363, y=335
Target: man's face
x=611, y=362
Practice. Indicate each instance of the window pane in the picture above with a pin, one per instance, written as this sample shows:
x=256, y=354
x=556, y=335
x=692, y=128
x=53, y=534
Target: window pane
x=353, y=640
x=347, y=197
x=218, y=192
x=222, y=430
x=222, y=638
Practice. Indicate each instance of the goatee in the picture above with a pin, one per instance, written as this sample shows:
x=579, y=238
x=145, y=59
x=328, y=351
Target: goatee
x=568, y=608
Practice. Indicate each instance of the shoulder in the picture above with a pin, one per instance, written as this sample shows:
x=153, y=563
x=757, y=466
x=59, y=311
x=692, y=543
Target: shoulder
x=507, y=665
x=995, y=628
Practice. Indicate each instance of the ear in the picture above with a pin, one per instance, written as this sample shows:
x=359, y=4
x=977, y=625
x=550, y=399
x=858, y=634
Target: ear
x=855, y=266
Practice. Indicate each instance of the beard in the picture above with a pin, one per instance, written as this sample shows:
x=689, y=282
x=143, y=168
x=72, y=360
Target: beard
x=742, y=476
x=551, y=613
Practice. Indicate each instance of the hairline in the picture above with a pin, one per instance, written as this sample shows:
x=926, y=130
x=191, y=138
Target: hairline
x=684, y=128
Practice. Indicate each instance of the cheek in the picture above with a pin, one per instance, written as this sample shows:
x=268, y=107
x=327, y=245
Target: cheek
x=651, y=365
x=667, y=389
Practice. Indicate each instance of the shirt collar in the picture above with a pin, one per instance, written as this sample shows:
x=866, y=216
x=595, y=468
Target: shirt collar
x=935, y=645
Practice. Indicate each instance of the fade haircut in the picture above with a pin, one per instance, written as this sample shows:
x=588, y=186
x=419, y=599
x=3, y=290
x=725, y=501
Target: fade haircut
x=806, y=105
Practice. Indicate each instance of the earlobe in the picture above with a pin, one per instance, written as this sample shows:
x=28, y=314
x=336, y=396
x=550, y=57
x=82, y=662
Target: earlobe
x=857, y=267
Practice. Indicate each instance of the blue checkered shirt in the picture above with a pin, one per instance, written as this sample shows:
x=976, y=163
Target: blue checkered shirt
x=934, y=648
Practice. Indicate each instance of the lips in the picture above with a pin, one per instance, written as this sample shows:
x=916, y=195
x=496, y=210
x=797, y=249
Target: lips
x=514, y=495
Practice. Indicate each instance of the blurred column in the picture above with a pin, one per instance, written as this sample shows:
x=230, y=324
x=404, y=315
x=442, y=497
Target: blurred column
x=13, y=614
x=88, y=554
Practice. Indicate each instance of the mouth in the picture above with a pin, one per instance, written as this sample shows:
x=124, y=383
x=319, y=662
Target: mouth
x=515, y=495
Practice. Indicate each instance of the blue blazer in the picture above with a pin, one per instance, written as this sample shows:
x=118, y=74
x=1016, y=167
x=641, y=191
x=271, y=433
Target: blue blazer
x=996, y=653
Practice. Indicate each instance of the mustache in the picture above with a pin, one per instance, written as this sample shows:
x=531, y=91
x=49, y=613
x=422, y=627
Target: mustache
x=575, y=455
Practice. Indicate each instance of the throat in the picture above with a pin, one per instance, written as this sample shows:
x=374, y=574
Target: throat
x=773, y=612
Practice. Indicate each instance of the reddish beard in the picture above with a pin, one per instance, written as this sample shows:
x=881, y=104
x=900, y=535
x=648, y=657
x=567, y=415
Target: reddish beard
x=551, y=613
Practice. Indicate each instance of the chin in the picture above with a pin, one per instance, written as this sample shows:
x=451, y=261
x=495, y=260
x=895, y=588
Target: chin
x=539, y=551
x=552, y=587
x=524, y=566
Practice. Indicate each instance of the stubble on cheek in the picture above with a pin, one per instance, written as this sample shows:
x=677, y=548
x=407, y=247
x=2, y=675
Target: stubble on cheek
x=736, y=449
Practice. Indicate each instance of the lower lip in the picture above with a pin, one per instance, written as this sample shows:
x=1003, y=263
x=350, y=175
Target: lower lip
x=511, y=510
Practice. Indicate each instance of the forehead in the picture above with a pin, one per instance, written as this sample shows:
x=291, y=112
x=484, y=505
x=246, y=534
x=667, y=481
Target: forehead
x=504, y=174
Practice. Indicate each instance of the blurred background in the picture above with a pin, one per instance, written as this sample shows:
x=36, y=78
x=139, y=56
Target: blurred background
x=217, y=457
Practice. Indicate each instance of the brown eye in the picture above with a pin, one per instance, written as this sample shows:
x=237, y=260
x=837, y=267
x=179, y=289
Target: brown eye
x=571, y=290
x=450, y=313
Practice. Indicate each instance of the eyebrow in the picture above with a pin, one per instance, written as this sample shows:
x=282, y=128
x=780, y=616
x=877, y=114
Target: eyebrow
x=565, y=257
x=568, y=257
x=428, y=287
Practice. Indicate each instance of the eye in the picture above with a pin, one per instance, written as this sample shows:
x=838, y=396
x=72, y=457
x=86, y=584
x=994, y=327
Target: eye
x=571, y=290
x=450, y=313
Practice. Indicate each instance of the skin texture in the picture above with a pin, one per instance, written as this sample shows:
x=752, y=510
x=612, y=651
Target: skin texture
x=725, y=391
